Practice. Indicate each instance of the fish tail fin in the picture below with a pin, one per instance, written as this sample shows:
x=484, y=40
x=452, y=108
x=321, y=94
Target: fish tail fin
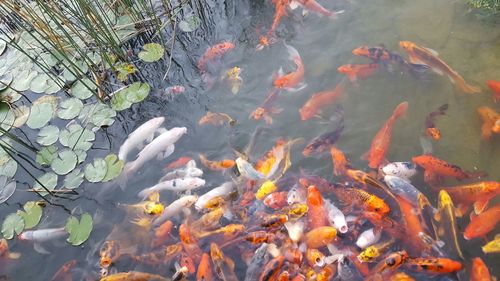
x=400, y=110
x=476, y=175
x=293, y=53
x=469, y=89
x=334, y=15
x=127, y=171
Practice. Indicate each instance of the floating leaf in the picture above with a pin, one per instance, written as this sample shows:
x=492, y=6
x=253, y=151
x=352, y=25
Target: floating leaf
x=7, y=117
x=21, y=113
x=54, y=86
x=114, y=167
x=48, y=135
x=49, y=180
x=6, y=189
x=81, y=154
x=40, y=83
x=190, y=23
x=77, y=138
x=46, y=155
x=83, y=89
x=119, y=102
x=152, y=52
x=31, y=215
x=5, y=81
x=124, y=69
x=41, y=113
x=99, y=114
x=79, y=231
x=13, y=223
x=70, y=108
x=23, y=80
x=73, y=179
x=3, y=46
x=137, y=92
x=65, y=162
x=8, y=168
x=95, y=172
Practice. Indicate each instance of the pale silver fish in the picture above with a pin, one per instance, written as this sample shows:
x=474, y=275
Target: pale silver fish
x=177, y=185
x=259, y=260
x=189, y=171
x=336, y=217
x=296, y=195
x=403, y=188
x=368, y=238
x=42, y=235
x=404, y=170
x=160, y=148
x=247, y=170
x=221, y=190
x=6, y=189
x=347, y=271
x=136, y=139
x=174, y=208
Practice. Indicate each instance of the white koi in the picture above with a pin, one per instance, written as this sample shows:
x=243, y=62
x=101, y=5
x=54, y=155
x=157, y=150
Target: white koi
x=177, y=185
x=221, y=190
x=368, y=238
x=174, y=208
x=143, y=133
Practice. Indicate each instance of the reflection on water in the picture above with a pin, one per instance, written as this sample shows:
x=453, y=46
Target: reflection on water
x=469, y=46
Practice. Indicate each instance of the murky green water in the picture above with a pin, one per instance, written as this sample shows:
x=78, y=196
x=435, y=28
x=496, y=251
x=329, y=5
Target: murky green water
x=468, y=45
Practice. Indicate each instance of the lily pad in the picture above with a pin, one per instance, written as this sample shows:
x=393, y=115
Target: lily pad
x=96, y=171
x=9, y=168
x=99, y=114
x=73, y=179
x=137, y=92
x=3, y=46
x=79, y=90
x=23, y=80
x=114, y=167
x=190, y=23
x=31, y=215
x=40, y=83
x=65, y=162
x=81, y=154
x=76, y=137
x=152, y=52
x=5, y=81
x=21, y=114
x=123, y=70
x=46, y=155
x=119, y=102
x=48, y=135
x=6, y=189
x=79, y=231
x=70, y=108
x=41, y=113
x=13, y=223
x=7, y=117
x=49, y=180
x=54, y=86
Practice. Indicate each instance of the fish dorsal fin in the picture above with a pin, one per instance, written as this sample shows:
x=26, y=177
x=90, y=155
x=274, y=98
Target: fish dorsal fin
x=433, y=52
x=480, y=206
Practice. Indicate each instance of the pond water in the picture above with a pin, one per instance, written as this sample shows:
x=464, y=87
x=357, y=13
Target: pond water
x=469, y=45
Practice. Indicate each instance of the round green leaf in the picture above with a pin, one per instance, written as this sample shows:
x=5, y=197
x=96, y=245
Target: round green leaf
x=5, y=81
x=31, y=215
x=65, y=162
x=73, y=179
x=8, y=168
x=49, y=180
x=77, y=138
x=3, y=46
x=81, y=154
x=81, y=89
x=21, y=113
x=46, y=155
x=119, y=102
x=79, y=231
x=7, y=117
x=13, y=223
x=6, y=189
x=23, y=80
x=137, y=92
x=40, y=83
x=69, y=108
x=54, y=86
x=99, y=114
x=41, y=113
x=152, y=52
x=114, y=167
x=190, y=23
x=95, y=172
x=48, y=135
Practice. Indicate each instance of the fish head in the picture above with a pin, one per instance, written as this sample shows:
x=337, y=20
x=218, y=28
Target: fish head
x=307, y=112
x=280, y=82
x=345, y=69
x=156, y=122
x=444, y=199
x=226, y=46
x=496, y=127
x=434, y=133
x=407, y=45
x=25, y=235
x=315, y=257
x=177, y=132
x=258, y=113
x=362, y=51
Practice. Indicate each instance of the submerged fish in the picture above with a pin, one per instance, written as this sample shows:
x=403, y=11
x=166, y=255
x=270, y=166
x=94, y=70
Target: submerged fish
x=314, y=6
x=216, y=165
x=479, y=271
x=433, y=265
x=479, y=194
x=482, y=224
x=490, y=120
x=217, y=119
x=42, y=235
x=358, y=71
x=430, y=126
x=144, y=133
x=320, y=100
x=495, y=87
x=492, y=247
x=234, y=79
x=134, y=276
x=292, y=81
x=403, y=170
x=224, y=266
x=178, y=185
x=347, y=271
x=440, y=167
x=325, y=141
x=214, y=52
x=174, y=208
x=380, y=54
x=266, y=109
x=280, y=10
x=447, y=224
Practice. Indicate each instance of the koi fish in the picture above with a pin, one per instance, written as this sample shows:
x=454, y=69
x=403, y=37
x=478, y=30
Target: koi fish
x=430, y=126
x=320, y=236
x=152, y=206
x=213, y=53
x=493, y=246
x=204, y=272
x=296, y=195
x=313, y=6
x=175, y=207
x=265, y=189
x=365, y=200
x=358, y=71
x=280, y=11
x=402, y=170
x=336, y=217
x=42, y=235
x=216, y=119
x=368, y=238
x=317, y=215
x=179, y=163
x=433, y=265
x=136, y=139
x=320, y=100
x=422, y=55
x=234, y=79
x=482, y=224
x=296, y=210
x=276, y=200
x=272, y=221
x=108, y=253
x=325, y=141
x=340, y=163
x=479, y=271
x=478, y=194
x=379, y=54
x=267, y=108
x=365, y=178
x=315, y=258
x=490, y=119
x=414, y=226
x=347, y=271
x=374, y=251
x=161, y=234
x=272, y=269
x=447, y=225
x=381, y=141
x=217, y=165
x=229, y=230
x=224, y=266
x=189, y=171
x=440, y=167
x=247, y=170
x=495, y=87
x=391, y=262
x=4, y=250
x=133, y=276
x=402, y=188
x=178, y=185
x=224, y=189
x=64, y=274
x=292, y=81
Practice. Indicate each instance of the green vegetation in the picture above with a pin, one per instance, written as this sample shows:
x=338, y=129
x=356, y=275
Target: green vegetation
x=490, y=5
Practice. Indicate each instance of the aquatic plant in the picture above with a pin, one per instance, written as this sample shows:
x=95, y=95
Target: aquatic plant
x=490, y=5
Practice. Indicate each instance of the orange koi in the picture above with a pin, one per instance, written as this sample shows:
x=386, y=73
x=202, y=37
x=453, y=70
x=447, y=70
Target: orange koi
x=320, y=236
x=365, y=200
x=259, y=237
x=109, y=252
x=272, y=269
x=293, y=79
x=280, y=11
x=381, y=141
x=479, y=271
x=217, y=119
x=478, y=194
x=430, y=122
x=326, y=273
x=320, y=100
x=315, y=258
x=283, y=276
x=181, y=162
x=133, y=276
x=204, y=272
x=160, y=257
x=276, y=200
x=355, y=71
x=490, y=120
x=4, y=250
x=313, y=6
x=340, y=163
x=380, y=54
x=64, y=274
x=482, y=224
x=214, y=52
x=401, y=276
x=267, y=108
x=495, y=87
x=273, y=221
x=189, y=243
x=317, y=215
x=162, y=233
x=391, y=262
x=224, y=266
x=433, y=265
x=422, y=55
x=440, y=167
x=413, y=225
x=217, y=165
x=187, y=261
